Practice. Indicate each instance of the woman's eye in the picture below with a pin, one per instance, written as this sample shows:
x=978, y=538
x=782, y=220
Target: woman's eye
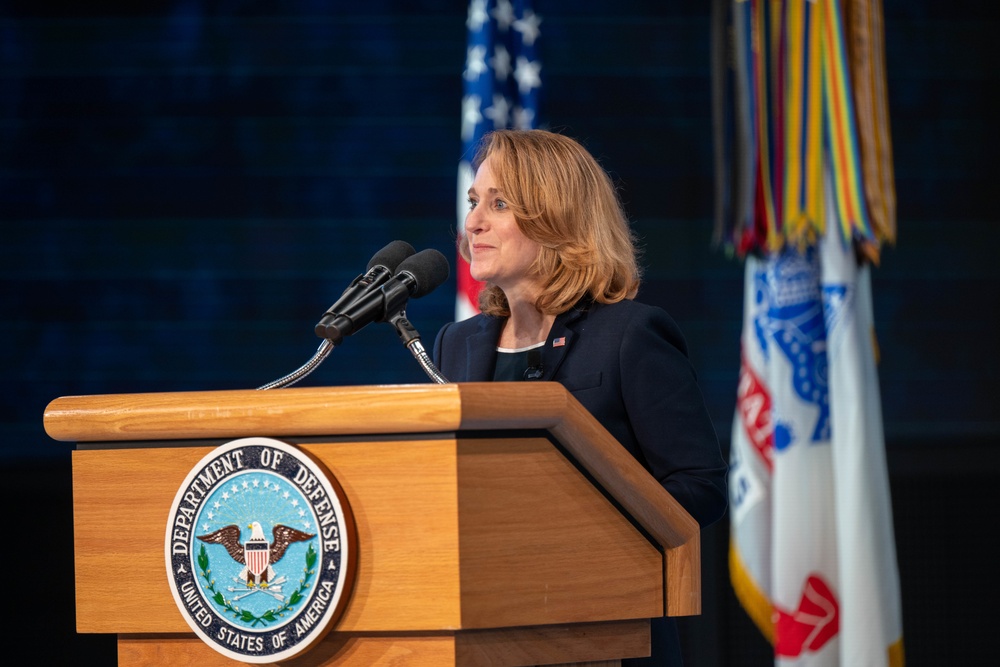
x=472, y=203
x=500, y=204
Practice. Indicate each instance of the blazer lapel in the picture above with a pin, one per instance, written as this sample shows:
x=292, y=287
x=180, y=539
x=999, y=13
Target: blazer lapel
x=481, y=350
x=561, y=338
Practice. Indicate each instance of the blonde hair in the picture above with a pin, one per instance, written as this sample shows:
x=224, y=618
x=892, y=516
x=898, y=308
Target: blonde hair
x=563, y=200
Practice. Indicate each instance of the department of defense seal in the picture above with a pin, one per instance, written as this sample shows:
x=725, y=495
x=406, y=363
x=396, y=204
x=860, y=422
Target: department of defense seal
x=260, y=550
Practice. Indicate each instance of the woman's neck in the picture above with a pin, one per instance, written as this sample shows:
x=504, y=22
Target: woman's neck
x=526, y=326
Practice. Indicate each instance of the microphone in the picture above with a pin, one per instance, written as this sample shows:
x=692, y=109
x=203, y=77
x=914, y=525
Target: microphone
x=416, y=276
x=395, y=273
x=534, y=371
x=380, y=269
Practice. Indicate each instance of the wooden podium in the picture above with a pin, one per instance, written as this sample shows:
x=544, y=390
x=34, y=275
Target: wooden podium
x=497, y=523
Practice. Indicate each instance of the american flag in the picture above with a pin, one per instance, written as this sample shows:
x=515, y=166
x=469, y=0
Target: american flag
x=502, y=78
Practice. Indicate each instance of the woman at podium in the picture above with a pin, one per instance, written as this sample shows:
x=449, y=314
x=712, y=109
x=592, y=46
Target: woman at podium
x=549, y=237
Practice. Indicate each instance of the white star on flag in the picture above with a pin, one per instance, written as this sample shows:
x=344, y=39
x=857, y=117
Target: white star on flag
x=528, y=75
x=528, y=27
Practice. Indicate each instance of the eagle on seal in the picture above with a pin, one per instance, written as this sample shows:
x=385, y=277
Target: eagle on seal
x=256, y=555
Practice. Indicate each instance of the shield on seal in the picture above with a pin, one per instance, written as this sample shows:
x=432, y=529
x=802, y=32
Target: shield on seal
x=257, y=554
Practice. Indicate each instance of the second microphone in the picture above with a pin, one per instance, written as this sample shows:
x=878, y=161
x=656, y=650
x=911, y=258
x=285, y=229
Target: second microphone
x=416, y=276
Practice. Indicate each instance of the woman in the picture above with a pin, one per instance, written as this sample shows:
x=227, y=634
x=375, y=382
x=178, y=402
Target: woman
x=547, y=234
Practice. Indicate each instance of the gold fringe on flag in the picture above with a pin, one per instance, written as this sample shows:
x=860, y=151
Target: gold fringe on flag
x=753, y=600
x=804, y=194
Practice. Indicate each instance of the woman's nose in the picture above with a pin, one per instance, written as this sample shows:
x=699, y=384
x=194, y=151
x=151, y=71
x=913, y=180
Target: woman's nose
x=473, y=221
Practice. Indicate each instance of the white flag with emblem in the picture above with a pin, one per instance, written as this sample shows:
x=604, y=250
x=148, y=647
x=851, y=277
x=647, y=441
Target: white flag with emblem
x=813, y=557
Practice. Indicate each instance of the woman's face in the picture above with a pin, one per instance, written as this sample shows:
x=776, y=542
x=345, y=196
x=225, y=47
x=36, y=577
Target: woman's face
x=500, y=253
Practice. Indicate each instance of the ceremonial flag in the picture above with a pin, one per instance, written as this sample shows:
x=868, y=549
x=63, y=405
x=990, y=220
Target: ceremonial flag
x=812, y=552
x=502, y=80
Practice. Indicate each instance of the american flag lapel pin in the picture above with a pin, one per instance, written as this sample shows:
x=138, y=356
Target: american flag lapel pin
x=559, y=342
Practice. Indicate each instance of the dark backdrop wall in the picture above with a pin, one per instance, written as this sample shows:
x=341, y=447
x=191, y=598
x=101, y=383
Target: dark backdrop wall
x=186, y=185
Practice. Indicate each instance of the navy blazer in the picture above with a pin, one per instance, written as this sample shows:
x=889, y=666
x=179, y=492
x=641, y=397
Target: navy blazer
x=627, y=364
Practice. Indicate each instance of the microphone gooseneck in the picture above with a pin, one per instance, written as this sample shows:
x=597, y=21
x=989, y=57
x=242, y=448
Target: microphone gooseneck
x=421, y=274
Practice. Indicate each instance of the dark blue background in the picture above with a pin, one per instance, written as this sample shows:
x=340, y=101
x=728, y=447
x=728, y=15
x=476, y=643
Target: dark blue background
x=186, y=185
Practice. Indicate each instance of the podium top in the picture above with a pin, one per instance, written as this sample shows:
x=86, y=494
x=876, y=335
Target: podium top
x=355, y=410
x=377, y=410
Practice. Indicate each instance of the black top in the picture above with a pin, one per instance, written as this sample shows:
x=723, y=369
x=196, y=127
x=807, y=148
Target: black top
x=522, y=364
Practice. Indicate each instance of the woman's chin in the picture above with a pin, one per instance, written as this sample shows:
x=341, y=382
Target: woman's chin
x=478, y=274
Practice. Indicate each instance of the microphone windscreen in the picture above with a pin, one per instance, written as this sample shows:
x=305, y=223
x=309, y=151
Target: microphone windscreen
x=429, y=269
x=391, y=255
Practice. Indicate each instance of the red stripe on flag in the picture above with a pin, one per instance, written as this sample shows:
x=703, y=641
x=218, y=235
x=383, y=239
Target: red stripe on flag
x=468, y=288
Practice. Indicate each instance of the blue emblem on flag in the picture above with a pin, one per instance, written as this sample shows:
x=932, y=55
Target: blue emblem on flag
x=790, y=312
